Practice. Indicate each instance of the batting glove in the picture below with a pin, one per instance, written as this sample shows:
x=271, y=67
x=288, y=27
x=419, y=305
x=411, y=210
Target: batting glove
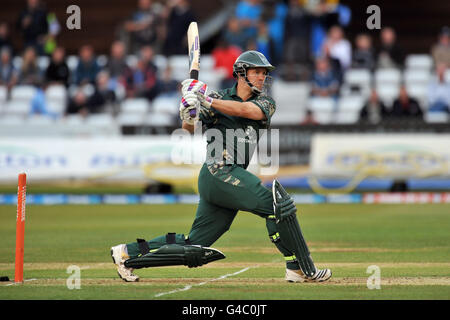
x=190, y=85
x=188, y=108
x=204, y=100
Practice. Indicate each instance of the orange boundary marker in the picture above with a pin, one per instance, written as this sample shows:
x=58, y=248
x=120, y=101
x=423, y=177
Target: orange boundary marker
x=20, y=226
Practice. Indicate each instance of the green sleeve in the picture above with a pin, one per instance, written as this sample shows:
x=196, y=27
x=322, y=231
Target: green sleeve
x=267, y=105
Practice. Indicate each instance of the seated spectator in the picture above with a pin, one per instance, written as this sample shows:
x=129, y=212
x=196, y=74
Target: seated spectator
x=248, y=12
x=39, y=104
x=58, y=71
x=88, y=68
x=78, y=103
x=168, y=86
x=29, y=73
x=439, y=91
x=363, y=55
x=374, y=111
x=390, y=54
x=234, y=34
x=264, y=42
x=337, y=47
x=322, y=17
x=309, y=119
x=179, y=15
x=405, y=106
x=441, y=50
x=32, y=24
x=143, y=26
x=8, y=73
x=224, y=56
x=117, y=66
x=141, y=81
x=104, y=97
x=89, y=99
x=54, y=28
x=324, y=81
x=5, y=37
x=297, y=31
x=275, y=13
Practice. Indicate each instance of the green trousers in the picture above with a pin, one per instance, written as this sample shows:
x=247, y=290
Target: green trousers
x=224, y=190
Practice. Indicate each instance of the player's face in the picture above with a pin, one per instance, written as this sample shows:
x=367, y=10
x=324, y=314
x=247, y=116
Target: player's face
x=257, y=76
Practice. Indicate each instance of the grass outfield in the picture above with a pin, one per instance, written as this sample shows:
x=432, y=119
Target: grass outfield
x=409, y=243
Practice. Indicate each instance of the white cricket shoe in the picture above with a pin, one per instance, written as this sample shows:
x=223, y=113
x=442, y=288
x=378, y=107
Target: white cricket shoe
x=298, y=276
x=119, y=256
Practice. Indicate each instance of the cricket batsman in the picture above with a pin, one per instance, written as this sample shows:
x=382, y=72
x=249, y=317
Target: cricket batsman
x=224, y=184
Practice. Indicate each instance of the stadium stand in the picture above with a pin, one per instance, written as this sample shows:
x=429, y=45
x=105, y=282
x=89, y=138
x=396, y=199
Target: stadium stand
x=161, y=114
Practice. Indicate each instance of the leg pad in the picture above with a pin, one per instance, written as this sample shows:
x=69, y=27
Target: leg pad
x=174, y=254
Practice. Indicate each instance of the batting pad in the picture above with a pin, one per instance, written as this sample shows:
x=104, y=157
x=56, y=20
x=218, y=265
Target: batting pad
x=174, y=254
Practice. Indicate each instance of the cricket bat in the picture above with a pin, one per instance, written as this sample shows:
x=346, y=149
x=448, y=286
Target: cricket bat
x=194, y=54
x=193, y=50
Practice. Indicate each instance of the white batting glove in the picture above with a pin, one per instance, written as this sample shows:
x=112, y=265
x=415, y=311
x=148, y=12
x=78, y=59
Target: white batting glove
x=190, y=85
x=188, y=108
x=204, y=100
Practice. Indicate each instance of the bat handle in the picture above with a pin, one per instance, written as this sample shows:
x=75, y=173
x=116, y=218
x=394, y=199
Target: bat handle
x=193, y=74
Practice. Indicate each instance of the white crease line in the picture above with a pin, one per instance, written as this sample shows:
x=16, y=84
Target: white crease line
x=201, y=283
x=27, y=280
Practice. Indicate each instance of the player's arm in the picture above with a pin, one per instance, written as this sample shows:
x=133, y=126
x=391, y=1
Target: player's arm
x=246, y=109
x=188, y=127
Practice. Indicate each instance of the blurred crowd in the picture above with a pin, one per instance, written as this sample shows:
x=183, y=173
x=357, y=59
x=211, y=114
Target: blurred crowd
x=306, y=40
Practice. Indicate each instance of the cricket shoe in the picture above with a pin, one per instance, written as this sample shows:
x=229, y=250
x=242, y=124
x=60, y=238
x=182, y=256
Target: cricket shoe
x=298, y=276
x=119, y=256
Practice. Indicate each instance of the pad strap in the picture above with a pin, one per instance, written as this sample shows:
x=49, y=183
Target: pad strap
x=170, y=238
x=143, y=246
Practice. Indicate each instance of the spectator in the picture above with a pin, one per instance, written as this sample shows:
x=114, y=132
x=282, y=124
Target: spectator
x=178, y=16
x=309, y=118
x=297, y=34
x=248, y=12
x=276, y=21
x=168, y=86
x=390, y=54
x=224, y=56
x=337, y=47
x=143, y=27
x=374, y=111
x=441, y=50
x=405, y=106
x=117, y=66
x=39, y=104
x=58, y=71
x=88, y=68
x=439, y=91
x=5, y=38
x=33, y=25
x=234, y=35
x=29, y=73
x=54, y=29
x=363, y=56
x=141, y=81
x=78, y=103
x=264, y=42
x=319, y=11
x=324, y=81
x=8, y=73
x=103, y=98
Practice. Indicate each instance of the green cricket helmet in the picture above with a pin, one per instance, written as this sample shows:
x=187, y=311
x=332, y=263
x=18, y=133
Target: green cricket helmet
x=247, y=60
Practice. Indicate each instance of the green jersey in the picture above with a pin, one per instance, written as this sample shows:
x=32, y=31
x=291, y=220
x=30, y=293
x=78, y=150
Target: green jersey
x=233, y=140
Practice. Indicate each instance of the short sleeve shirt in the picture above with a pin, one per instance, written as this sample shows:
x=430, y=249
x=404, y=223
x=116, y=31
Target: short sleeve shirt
x=231, y=139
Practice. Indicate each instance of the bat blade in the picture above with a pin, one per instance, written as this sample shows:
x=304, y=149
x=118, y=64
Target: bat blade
x=193, y=50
